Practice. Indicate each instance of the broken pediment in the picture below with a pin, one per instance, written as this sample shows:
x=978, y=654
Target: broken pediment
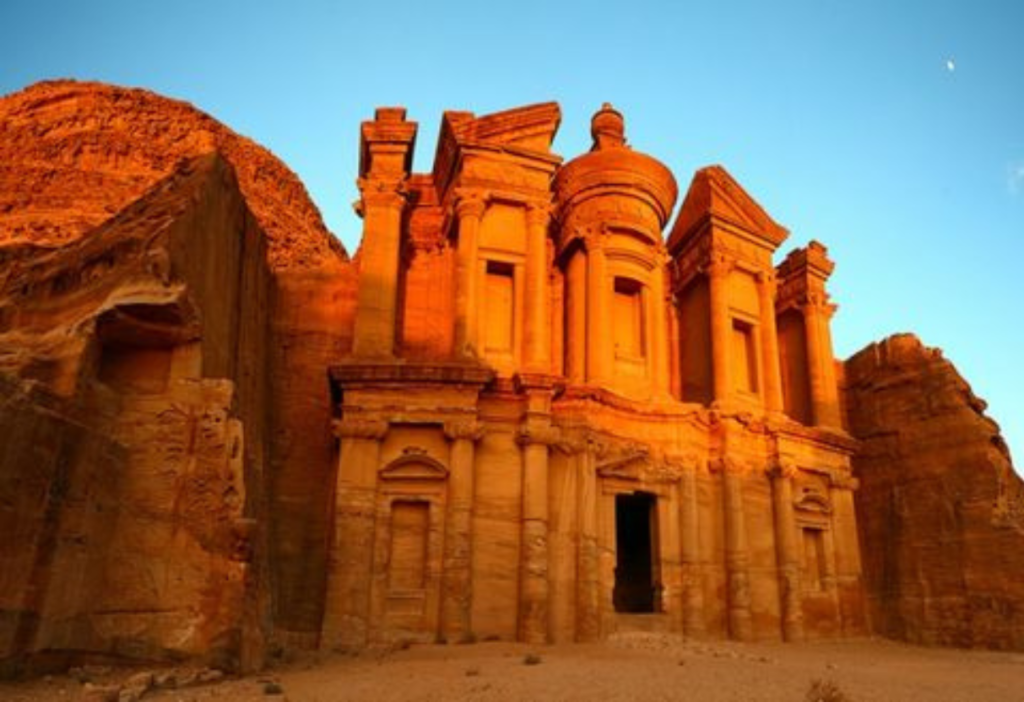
x=530, y=127
x=715, y=195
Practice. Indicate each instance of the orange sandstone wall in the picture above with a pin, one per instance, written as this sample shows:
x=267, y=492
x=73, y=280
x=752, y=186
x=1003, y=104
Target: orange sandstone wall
x=162, y=343
x=311, y=326
x=58, y=508
x=940, y=508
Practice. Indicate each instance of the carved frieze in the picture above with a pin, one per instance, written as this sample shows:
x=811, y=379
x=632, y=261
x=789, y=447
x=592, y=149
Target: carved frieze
x=375, y=429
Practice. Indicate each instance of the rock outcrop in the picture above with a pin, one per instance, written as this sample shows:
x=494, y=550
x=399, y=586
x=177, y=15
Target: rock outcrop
x=73, y=154
x=940, y=509
x=134, y=418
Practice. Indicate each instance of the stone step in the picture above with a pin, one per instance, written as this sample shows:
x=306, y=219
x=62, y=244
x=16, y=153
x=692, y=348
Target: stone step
x=649, y=622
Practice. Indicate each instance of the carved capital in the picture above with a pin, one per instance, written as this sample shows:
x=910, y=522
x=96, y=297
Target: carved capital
x=378, y=192
x=470, y=203
x=684, y=462
x=548, y=436
x=768, y=283
x=784, y=468
x=843, y=481
x=538, y=214
x=375, y=429
x=719, y=266
x=727, y=465
x=464, y=430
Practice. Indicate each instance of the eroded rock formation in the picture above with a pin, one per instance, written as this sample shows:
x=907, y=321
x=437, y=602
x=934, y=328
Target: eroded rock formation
x=134, y=356
x=73, y=154
x=940, y=508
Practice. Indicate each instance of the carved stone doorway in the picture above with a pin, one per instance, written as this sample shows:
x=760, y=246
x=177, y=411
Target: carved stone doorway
x=635, y=548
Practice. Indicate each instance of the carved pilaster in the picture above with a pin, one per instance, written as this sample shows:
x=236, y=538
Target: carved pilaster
x=457, y=574
x=786, y=549
x=380, y=205
x=718, y=270
x=346, y=622
x=537, y=324
x=737, y=557
x=469, y=208
x=689, y=465
x=535, y=436
x=599, y=347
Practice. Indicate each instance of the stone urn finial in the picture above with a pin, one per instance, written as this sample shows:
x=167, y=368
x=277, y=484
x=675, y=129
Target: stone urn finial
x=608, y=128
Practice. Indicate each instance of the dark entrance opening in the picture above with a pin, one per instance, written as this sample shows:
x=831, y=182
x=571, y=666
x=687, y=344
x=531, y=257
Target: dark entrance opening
x=635, y=542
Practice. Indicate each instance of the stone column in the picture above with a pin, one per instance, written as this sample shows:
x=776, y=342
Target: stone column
x=350, y=566
x=588, y=603
x=376, y=311
x=718, y=292
x=770, y=361
x=829, y=369
x=737, y=557
x=787, y=554
x=576, y=317
x=659, y=344
x=599, y=345
x=693, y=582
x=538, y=322
x=457, y=576
x=469, y=208
x=533, y=590
x=821, y=371
x=847, y=547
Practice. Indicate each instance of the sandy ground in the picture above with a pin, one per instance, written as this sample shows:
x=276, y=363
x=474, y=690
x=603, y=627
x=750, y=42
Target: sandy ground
x=629, y=667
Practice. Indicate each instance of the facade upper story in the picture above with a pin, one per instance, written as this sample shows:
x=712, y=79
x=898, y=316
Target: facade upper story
x=506, y=256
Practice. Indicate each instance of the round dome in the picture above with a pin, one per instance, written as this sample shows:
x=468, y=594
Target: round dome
x=613, y=170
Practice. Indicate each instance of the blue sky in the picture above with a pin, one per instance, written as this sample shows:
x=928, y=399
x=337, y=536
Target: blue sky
x=844, y=119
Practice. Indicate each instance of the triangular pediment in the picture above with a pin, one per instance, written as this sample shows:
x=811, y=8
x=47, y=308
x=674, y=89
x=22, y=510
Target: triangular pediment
x=715, y=195
x=530, y=127
x=414, y=464
x=629, y=467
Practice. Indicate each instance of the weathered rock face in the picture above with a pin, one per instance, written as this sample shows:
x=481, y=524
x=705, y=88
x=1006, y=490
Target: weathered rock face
x=74, y=154
x=136, y=467
x=74, y=157
x=940, y=508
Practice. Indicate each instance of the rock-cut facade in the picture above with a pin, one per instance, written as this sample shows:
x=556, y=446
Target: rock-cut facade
x=559, y=420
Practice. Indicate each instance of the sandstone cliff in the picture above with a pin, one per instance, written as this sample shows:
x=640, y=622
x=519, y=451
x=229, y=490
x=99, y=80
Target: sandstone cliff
x=73, y=154
x=143, y=245
x=133, y=403
x=940, y=509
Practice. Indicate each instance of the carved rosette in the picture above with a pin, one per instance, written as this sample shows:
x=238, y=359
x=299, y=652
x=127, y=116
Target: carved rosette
x=464, y=430
x=374, y=429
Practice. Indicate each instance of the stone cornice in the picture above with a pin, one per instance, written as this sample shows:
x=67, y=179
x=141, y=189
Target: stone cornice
x=367, y=372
